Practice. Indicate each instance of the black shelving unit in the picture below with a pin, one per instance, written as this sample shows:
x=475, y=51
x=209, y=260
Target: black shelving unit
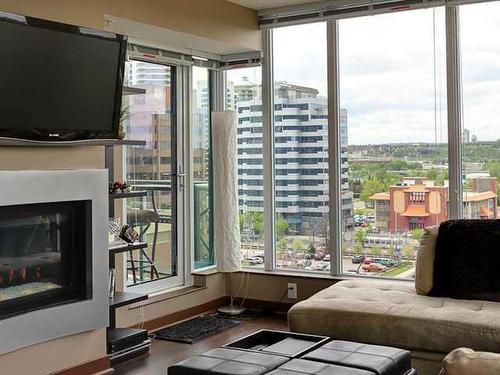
x=130, y=194
x=122, y=299
x=123, y=343
x=127, y=90
x=118, y=249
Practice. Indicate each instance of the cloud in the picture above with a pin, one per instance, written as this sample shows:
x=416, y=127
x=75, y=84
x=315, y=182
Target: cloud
x=387, y=79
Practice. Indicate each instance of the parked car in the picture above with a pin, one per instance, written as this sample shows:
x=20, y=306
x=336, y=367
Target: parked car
x=319, y=256
x=308, y=256
x=319, y=267
x=373, y=267
x=368, y=260
x=327, y=258
x=385, y=262
x=303, y=263
x=254, y=261
x=357, y=259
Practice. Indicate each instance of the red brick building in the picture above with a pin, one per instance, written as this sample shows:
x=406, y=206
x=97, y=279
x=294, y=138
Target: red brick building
x=417, y=203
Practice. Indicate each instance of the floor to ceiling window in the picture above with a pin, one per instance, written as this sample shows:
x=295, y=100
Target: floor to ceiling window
x=398, y=141
x=147, y=110
x=243, y=95
x=480, y=53
x=201, y=151
x=301, y=148
x=393, y=92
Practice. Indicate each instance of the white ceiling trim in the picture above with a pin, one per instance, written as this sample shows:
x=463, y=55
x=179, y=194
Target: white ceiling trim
x=171, y=40
x=266, y=4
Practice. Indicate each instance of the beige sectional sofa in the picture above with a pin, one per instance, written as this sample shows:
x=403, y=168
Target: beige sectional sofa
x=390, y=312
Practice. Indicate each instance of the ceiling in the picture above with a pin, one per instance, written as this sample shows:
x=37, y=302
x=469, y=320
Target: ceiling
x=266, y=4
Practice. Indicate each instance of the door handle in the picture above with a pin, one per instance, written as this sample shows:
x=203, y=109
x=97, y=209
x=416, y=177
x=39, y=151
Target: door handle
x=180, y=176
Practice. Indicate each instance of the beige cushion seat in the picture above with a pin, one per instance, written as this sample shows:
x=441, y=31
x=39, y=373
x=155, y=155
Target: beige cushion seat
x=391, y=313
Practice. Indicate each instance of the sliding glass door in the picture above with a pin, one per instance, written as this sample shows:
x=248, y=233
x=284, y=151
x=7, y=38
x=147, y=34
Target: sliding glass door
x=149, y=111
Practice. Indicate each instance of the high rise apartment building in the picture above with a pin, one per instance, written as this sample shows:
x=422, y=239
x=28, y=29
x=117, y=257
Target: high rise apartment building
x=301, y=149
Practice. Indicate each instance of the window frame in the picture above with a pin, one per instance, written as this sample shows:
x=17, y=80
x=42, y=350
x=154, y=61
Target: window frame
x=182, y=95
x=182, y=230
x=454, y=125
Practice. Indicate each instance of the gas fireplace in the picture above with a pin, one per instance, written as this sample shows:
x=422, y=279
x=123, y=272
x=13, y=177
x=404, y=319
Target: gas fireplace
x=53, y=255
x=45, y=255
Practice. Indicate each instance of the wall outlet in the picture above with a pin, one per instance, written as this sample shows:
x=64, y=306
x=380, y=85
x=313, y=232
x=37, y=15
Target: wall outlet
x=292, y=291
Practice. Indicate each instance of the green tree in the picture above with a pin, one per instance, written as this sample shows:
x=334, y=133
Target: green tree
x=360, y=237
x=242, y=220
x=298, y=244
x=281, y=227
x=311, y=249
x=417, y=234
x=432, y=174
x=359, y=211
x=252, y=220
x=494, y=168
x=283, y=244
x=376, y=251
x=441, y=178
x=258, y=222
x=371, y=187
x=408, y=252
x=357, y=249
x=391, y=250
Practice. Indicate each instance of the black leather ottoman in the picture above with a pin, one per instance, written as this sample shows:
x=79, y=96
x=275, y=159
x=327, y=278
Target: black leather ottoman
x=380, y=360
x=228, y=361
x=303, y=367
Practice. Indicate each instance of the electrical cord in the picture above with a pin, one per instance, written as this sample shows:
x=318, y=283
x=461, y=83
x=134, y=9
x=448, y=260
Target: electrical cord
x=246, y=291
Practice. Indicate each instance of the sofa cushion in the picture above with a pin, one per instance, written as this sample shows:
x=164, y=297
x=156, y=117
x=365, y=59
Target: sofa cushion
x=391, y=313
x=425, y=261
x=467, y=263
x=464, y=361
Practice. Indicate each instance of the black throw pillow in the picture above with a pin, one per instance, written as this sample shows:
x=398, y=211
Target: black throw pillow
x=467, y=262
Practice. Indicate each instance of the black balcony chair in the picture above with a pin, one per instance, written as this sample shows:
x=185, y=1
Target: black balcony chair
x=141, y=220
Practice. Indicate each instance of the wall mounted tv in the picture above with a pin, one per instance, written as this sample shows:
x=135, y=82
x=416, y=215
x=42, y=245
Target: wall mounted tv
x=59, y=82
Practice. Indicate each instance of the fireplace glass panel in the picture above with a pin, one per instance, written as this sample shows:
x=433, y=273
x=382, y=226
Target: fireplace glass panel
x=45, y=255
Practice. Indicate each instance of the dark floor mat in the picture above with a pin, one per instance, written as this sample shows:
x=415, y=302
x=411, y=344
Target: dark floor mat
x=196, y=329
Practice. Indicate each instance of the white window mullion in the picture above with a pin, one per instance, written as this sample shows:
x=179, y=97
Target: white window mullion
x=217, y=90
x=334, y=154
x=454, y=89
x=268, y=149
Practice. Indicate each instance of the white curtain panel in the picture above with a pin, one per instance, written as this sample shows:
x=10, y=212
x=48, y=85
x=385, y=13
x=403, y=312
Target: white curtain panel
x=225, y=167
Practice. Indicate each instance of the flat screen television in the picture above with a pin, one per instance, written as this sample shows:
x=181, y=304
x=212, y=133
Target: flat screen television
x=59, y=82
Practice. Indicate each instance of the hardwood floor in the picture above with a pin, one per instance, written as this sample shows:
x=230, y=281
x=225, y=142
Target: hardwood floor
x=166, y=353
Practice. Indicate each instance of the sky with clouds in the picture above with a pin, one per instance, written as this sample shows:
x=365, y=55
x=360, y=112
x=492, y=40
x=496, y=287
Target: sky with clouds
x=392, y=72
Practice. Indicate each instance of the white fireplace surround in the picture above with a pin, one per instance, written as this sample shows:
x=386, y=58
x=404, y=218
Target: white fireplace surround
x=26, y=187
